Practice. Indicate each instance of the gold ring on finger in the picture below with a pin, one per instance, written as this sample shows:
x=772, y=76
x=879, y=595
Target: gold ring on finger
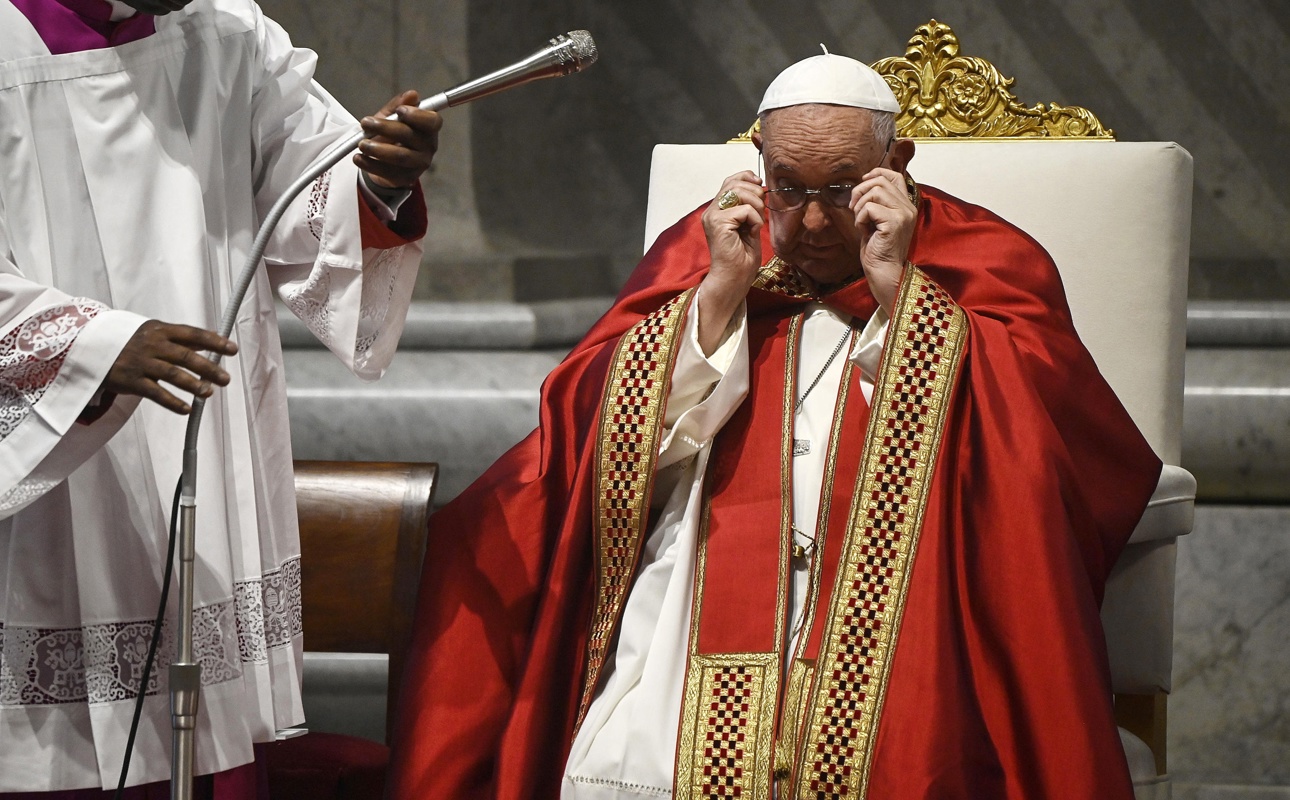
x=728, y=199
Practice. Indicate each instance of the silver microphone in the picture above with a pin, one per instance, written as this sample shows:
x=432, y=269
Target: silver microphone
x=567, y=53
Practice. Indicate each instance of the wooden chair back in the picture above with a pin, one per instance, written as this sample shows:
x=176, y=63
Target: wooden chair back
x=362, y=540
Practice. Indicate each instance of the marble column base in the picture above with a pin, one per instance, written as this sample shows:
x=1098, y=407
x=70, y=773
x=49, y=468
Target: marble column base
x=1236, y=423
x=1229, y=713
x=1207, y=791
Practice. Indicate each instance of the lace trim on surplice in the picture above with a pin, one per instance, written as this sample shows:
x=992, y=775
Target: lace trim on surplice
x=379, y=278
x=103, y=663
x=310, y=301
x=32, y=354
x=318, y=194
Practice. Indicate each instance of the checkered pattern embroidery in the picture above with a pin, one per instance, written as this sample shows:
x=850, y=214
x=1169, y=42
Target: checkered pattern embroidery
x=725, y=739
x=628, y=444
x=780, y=277
x=903, y=440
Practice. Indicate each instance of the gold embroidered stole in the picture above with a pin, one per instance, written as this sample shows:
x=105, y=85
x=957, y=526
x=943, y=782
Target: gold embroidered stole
x=730, y=741
x=842, y=466
x=739, y=612
x=729, y=727
x=920, y=360
x=631, y=418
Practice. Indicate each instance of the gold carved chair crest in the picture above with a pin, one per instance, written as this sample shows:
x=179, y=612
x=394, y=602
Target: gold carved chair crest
x=944, y=94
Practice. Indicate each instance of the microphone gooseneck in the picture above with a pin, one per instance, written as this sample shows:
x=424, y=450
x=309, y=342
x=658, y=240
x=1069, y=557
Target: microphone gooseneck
x=567, y=53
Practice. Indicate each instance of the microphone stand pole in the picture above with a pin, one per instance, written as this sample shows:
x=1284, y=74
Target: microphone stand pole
x=185, y=673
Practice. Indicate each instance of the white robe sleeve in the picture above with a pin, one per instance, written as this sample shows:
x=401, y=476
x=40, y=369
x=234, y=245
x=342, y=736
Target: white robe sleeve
x=55, y=351
x=866, y=353
x=353, y=299
x=704, y=393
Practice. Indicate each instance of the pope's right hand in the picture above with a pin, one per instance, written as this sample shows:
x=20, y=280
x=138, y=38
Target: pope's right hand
x=734, y=247
x=163, y=353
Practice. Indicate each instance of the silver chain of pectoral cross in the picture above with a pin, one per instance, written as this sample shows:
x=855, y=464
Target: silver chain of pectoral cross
x=803, y=446
x=838, y=349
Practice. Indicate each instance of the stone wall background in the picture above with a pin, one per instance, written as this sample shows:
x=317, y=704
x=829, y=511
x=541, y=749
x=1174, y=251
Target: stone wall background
x=539, y=195
x=559, y=170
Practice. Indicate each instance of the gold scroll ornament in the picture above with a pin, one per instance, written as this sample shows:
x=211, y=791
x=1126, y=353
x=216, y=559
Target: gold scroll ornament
x=943, y=94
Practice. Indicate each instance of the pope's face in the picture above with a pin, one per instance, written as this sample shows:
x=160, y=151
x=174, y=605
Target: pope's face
x=810, y=147
x=157, y=7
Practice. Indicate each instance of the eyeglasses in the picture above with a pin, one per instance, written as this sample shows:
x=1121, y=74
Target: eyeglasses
x=791, y=198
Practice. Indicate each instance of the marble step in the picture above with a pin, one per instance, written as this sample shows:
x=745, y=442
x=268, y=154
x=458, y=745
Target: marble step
x=1236, y=423
x=440, y=325
x=464, y=408
x=1211, y=791
x=1238, y=323
x=464, y=388
x=516, y=275
x=476, y=325
x=461, y=408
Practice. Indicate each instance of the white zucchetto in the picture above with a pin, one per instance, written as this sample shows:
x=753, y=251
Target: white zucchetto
x=835, y=80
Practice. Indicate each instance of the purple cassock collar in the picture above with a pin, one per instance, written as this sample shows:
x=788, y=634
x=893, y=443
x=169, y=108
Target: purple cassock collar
x=71, y=26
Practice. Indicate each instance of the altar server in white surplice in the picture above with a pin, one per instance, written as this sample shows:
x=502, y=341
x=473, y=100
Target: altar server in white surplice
x=137, y=155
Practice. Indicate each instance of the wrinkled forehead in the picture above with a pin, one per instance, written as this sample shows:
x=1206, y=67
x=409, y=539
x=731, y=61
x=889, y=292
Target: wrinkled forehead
x=817, y=132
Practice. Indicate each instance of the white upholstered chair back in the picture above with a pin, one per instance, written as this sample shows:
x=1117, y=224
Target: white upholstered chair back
x=1115, y=216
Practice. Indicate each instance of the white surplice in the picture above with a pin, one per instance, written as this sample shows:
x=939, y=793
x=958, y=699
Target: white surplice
x=132, y=180
x=626, y=747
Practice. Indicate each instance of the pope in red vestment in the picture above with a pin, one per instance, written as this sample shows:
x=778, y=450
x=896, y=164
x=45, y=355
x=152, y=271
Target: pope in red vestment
x=973, y=510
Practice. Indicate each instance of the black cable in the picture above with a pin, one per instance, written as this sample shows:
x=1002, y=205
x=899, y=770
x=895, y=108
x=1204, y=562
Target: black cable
x=156, y=639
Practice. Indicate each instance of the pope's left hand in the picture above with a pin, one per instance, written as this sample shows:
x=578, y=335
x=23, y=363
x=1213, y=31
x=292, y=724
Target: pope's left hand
x=885, y=218
x=396, y=151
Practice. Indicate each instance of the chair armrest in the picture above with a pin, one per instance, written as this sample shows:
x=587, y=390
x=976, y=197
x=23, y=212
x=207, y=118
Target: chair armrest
x=346, y=693
x=1172, y=509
